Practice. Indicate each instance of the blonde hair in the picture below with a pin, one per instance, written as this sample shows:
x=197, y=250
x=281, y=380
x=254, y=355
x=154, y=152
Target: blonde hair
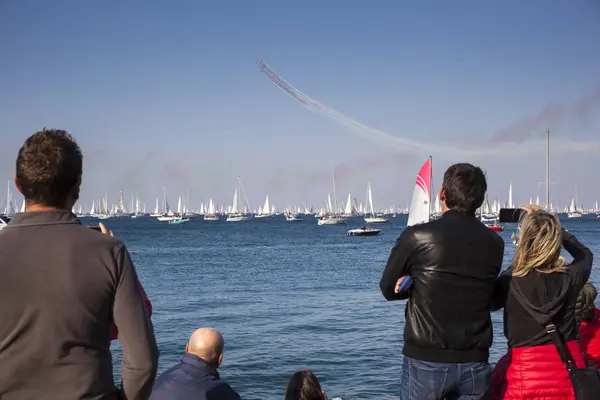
x=539, y=245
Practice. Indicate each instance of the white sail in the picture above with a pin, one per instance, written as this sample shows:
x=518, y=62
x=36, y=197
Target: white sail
x=266, y=209
x=510, y=196
x=419, y=207
x=348, y=210
x=438, y=207
x=235, y=207
x=23, y=206
x=329, y=205
x=572, y=206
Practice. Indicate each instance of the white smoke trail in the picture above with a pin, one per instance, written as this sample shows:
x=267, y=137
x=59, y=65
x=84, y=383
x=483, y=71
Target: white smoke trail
x=386, y=139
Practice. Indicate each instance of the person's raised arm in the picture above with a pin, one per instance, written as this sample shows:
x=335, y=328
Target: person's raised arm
x=397, y=266
x=581, y=267
x=140, y=353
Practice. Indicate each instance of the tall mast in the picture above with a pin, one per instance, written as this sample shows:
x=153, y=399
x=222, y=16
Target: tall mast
x=334, y=195
x=430, y=182
x=547, y=169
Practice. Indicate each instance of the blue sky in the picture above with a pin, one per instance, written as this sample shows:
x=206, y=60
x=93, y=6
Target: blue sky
x=169, y=92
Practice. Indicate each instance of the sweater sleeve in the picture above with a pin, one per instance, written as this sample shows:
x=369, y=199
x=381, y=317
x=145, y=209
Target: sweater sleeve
x=140, y=353
x=398, y=265
x=501, y=289
x=581, y=266
x=114, y=333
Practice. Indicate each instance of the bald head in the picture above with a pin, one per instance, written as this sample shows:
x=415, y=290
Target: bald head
x=207, y=343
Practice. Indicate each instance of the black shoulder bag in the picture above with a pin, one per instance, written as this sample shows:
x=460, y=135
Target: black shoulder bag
x=586, y=381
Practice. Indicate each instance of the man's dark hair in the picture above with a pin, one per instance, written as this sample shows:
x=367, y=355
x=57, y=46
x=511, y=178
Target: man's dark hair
x=304, y=385
x=48, y=167
x=465, y=186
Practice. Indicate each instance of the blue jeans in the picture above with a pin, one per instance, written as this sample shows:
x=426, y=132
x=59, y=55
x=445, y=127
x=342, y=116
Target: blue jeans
x=423, y=380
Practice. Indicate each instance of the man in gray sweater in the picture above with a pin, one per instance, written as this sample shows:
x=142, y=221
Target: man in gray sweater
x=61, y=286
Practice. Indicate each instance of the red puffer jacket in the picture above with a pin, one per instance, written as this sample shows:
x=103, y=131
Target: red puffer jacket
x=589, y=338
x=534, y=373
x=114, y=333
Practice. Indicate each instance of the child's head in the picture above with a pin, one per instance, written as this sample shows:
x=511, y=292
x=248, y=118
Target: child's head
x=585, y=310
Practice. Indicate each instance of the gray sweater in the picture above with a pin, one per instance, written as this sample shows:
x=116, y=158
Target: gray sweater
x=61, y=286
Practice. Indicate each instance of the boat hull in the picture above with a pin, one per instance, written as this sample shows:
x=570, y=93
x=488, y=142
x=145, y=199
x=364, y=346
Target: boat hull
x=377, y=220
x=166, y=218
x=364, y=232
x=333, y=221
x=495, y=228
x=211, y=218
x=237, y=218
x=179, y=221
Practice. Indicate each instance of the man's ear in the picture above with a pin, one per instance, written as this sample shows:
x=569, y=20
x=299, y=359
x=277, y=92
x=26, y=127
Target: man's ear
x=17, y=184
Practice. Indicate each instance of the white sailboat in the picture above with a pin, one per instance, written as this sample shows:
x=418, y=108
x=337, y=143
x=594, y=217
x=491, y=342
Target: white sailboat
x=510, y=203
x=349, y=210
x=236, y=214
x=265, y=210
x=211, y=215
x=374, y=218
x=573, y=211
x=167, y=214
x=10, y=208
x=333, y=218
x=420, y=205
x=156, y=212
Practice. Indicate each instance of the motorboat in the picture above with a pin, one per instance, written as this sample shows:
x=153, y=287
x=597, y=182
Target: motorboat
x=333, y=220
x=178, y=220
x=377, y=219
x=495, y=227
x=292, y=217
x=166, y=218
x=364, y=231
x=237, y=217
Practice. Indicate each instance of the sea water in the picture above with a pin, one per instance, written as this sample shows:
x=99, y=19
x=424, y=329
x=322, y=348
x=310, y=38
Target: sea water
x=286, y=296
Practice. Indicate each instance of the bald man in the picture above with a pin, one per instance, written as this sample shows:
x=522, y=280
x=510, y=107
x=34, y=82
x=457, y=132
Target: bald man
x=196, y=376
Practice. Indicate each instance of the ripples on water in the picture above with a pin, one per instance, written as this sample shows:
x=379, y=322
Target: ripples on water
x=286, y=296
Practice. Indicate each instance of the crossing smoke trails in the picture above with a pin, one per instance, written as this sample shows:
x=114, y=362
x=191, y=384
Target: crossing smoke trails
x=504, y=143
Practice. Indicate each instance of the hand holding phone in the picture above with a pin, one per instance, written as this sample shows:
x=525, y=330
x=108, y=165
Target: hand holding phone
x=510, y=215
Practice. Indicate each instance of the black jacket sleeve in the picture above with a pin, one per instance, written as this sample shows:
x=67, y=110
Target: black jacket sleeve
x=501, y=289
x=581, y=267
x=398, y=265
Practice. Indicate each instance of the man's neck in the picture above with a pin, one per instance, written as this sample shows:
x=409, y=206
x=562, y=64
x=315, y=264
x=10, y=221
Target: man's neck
x=40, y=208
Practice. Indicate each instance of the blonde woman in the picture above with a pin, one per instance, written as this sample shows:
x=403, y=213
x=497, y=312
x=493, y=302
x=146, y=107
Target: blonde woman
x=539, y=288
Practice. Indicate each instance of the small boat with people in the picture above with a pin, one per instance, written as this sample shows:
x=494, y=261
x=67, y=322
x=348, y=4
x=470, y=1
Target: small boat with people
x=494, y=226
x=178, y=220
x=293, y=217
x=364, y=231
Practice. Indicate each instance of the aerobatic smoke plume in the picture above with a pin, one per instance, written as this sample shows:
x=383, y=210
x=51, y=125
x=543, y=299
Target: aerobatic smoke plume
x=528, y=126
x=507, y=142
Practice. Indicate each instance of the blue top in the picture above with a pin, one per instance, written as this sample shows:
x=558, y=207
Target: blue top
x=193, y=378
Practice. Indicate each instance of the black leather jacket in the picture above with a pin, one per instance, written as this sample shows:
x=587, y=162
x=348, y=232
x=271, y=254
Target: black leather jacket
x=454, y=262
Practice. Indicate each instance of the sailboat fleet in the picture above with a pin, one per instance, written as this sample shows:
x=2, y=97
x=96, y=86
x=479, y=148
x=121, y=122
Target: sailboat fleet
x=331, y=213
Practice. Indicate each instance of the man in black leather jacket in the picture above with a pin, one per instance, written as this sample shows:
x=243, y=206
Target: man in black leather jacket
x=454, y=262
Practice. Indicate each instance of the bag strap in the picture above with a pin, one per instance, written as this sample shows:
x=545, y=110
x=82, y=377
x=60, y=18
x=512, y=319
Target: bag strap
x=557, y=340
x=559, y=343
